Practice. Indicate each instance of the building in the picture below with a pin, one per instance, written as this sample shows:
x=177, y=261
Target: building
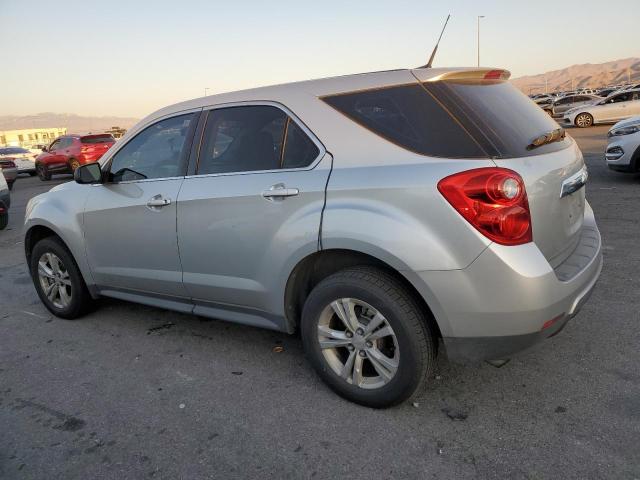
x=29, y=137
x=116, y=132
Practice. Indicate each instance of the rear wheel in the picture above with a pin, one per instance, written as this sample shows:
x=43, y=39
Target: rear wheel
x=43, y=173
x=58, y=280
x=584, y=120
x=73, y=164
x=4, y=216
x=10, y=184
x=367, y=337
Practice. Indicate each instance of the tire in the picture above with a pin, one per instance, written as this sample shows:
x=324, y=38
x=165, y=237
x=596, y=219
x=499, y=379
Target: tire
x=73, y=164
x=412, y=345
x=4, y=216
x=10, y=185
x=32, y=174
x=43, y=173
x=79, y=299
x=583, y=120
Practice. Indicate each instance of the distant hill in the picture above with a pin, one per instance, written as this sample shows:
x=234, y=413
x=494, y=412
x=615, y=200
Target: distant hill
x=587, y=75
x=73, y=123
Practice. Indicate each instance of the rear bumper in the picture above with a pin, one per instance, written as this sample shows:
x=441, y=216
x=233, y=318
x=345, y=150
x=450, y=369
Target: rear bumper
x=510, y=298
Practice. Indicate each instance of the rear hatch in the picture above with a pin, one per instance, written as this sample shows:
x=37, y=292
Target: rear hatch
x=518, y=135
x=96, y=145
x=477, y=113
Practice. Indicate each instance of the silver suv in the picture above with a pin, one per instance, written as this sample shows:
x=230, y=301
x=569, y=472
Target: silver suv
x=380, y=215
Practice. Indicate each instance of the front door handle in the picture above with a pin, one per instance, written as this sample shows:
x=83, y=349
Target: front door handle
x=158, y=201
x=279, y=190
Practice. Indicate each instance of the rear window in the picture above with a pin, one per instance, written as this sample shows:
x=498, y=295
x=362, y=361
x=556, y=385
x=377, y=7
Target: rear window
x=453, y=119
x=13, y=151
x=97, y=139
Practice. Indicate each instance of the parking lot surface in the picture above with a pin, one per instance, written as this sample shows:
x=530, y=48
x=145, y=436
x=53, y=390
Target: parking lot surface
x=136, y=392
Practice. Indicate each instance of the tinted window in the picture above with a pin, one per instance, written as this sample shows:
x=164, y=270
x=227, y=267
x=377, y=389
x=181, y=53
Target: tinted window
x=156, y=152
x=13, y=151
x=498, y=115
x=97, y=139
x=410, y=117
x=623, y=97
x=242, y=139
x=299, y=150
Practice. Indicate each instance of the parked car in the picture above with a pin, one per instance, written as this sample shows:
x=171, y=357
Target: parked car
x=9, y=171
x=68, y=152
x=571, y=101
x=5, y=203
x=38, y=148
x=605, y=92
x=378, y=214
x=615, y=107
x=623, y=149
x=23, y=158
x=546, y=104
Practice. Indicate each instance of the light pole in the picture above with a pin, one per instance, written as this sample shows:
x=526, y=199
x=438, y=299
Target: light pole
x=479, y=17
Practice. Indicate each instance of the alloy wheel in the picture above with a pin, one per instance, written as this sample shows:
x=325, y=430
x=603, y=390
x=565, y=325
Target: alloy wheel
x=55, y=280
x=358, y=343
x=584, y=120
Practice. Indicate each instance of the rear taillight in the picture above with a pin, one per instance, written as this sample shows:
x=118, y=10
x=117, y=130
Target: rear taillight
x=493, y=200
x=7, y=164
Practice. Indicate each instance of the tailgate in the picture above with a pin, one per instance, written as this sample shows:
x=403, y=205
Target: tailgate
x=556, y=220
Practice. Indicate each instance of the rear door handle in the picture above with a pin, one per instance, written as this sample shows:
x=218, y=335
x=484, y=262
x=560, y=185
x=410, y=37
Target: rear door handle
x=279, y=190
x=158, y=201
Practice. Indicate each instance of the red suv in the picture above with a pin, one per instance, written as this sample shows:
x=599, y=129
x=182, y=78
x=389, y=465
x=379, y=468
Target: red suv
x=68, y=152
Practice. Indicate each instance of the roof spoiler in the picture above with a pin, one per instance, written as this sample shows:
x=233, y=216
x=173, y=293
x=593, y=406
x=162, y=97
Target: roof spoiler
x=472, y=74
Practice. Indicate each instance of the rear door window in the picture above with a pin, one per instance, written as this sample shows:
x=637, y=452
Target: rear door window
x=253, y=138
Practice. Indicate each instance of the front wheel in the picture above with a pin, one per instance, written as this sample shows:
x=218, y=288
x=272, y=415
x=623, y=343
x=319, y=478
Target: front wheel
x=73, y=165
x=4, y=216
x=43, y=173
x=58, y=280
x=367, y=337
x=584, y=120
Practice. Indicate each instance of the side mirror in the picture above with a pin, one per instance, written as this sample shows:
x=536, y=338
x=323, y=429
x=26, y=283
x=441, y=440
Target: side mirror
x=44, y=149
x=88, y=174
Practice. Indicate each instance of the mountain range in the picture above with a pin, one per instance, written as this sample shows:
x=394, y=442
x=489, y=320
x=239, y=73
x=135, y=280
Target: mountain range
x=73, y=123
x=587, y=75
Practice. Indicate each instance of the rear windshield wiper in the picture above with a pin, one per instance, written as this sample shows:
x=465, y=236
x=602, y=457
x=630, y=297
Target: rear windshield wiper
x=556, y=135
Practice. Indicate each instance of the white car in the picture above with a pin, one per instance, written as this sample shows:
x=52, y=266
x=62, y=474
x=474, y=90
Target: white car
x=24, y=159
x=623, y=150
x=617, y=106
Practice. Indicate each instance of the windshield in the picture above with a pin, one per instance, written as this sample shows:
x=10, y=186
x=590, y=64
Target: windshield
x=97, y=139
x=13, y=151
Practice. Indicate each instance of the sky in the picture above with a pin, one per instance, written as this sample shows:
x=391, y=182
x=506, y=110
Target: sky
x=129, y=58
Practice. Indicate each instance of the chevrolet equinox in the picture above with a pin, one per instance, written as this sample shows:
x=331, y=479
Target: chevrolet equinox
x=380, y=215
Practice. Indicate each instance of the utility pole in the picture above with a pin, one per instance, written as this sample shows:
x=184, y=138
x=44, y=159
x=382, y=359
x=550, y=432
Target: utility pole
x=479, y=17
x=205, y=91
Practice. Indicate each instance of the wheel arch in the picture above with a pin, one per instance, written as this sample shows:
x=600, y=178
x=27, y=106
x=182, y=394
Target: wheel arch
x=35, y=232
x=317, y=266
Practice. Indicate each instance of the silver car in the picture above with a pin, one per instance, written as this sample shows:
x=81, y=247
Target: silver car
x=5, y=203
x=572, y=101
x=623, y=149
x=379, y=214
x=617, y=106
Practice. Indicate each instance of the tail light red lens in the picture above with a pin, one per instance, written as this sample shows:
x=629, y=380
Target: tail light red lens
x=7, y=164
x=493, y=200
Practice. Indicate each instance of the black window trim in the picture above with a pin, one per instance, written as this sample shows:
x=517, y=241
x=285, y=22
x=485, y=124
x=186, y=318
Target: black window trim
x=199, y=140
x=106, y=165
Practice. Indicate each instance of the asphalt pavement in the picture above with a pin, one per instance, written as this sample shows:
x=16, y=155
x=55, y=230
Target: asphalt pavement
x=133, y=392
